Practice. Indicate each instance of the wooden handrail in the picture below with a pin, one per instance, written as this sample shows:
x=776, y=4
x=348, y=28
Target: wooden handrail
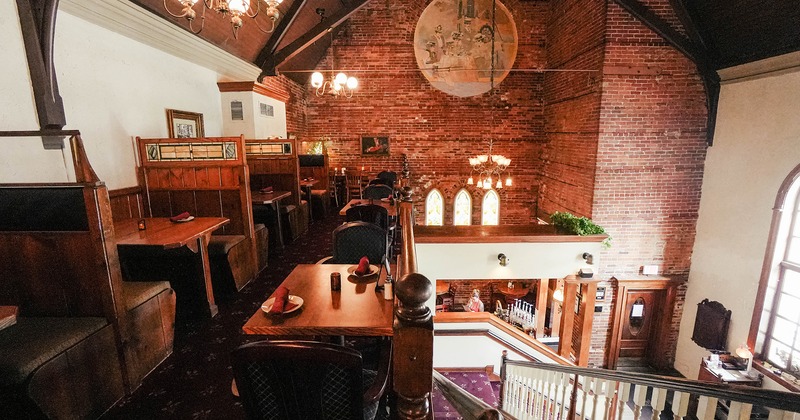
x=756, y=396
x=413, y=327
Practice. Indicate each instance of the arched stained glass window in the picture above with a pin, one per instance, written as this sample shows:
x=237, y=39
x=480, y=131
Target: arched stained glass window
x=462, y=209
x=491, y=208
x=434, y=208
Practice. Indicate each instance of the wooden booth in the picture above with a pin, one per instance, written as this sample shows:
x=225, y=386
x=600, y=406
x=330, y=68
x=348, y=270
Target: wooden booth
x=83, y=336
x=275, y=171
x=208, y=178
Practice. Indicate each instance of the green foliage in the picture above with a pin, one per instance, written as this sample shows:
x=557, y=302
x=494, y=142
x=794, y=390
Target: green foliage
x=569, y=223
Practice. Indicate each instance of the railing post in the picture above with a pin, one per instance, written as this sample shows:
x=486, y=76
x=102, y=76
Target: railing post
x=503, y=359
x=573, y=398
x=413, y=328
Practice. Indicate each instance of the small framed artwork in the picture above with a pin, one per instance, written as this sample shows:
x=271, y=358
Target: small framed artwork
x=374, y=146
x=182, y=124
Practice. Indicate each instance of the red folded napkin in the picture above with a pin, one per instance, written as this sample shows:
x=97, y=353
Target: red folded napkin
x=180, y=216
x=281, y=303
x=363, y=266
x=266, y=190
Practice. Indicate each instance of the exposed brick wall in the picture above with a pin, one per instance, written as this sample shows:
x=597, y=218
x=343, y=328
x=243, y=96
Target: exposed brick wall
x=437, y=131
x=650, y=155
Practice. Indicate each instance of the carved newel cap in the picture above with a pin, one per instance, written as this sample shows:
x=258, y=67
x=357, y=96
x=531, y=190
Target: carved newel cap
x=413, y=291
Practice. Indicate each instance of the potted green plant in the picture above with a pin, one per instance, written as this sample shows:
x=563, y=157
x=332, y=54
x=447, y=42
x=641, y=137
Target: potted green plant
x=569, y=223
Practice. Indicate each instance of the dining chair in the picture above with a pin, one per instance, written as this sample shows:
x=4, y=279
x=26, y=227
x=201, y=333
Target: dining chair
x=354, y=240
x=353, y=184
x=377, y=191
x=285, y=379
x=333, y=188
x=377, y=215
x=389, y=177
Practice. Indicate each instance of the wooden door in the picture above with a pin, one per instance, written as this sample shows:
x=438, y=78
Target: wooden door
x=640, y=320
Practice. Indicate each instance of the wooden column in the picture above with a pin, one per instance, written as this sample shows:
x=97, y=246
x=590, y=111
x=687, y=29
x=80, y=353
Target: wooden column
x=567, y=319
x=541, y=306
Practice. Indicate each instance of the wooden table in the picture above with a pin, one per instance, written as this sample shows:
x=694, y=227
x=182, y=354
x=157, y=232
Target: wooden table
x=163, y=233
x=355, y=310
x=306, y=185
x=272, y=199
x=390, y=208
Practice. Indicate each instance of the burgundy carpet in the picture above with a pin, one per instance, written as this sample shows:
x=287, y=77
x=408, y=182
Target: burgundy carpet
x=476, y=383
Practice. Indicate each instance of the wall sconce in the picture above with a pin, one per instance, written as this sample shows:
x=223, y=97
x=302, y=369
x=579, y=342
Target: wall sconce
x=503, y=259
x=558, y=296
x=588, y=257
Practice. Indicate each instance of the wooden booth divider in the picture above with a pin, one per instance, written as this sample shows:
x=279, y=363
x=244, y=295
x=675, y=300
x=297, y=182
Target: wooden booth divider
x=273, y=163
x=84, y=336
x=206, y=177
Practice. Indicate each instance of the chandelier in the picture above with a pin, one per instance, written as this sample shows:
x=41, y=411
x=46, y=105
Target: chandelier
x=236, y=8
x=338, y=85
x=490, y=167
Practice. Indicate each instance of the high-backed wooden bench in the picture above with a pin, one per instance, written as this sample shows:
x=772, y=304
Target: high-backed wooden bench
x=205, y=177
x=273, y=163
x=84, y=336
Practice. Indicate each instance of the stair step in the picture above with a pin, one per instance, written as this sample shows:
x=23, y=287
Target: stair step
x=476, y=383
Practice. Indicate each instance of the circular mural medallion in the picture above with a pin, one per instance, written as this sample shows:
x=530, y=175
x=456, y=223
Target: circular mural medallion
x=453, y=45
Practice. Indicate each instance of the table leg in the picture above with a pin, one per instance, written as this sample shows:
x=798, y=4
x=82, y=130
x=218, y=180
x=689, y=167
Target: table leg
x=276, y=205
x=202, y=243
x=310, y=205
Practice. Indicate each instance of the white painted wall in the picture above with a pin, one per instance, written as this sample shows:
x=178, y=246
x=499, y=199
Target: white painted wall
x=527, y=260
x=757, y=144
x=254, y=125
x=114, y=89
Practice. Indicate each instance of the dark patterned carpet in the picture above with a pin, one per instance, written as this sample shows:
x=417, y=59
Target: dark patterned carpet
x=195, y=381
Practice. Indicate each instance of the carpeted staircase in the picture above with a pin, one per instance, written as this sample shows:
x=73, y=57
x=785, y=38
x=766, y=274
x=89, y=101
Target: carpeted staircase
x=476, y=383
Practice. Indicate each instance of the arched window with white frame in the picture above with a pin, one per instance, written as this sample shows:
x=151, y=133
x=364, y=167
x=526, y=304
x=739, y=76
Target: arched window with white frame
x=490, y=208
x=462, y=208
x=434, y=208
x=776, y=319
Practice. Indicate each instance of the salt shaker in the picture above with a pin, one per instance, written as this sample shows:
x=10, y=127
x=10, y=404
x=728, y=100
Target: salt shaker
x=387, y=288
x=336, y=281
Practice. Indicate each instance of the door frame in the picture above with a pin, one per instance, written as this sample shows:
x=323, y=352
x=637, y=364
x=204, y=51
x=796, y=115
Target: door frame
x=661, y=329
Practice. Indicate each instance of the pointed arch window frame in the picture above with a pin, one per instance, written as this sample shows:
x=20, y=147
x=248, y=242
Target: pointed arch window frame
x=434, y=191
x=488, y=194
x=468, y=207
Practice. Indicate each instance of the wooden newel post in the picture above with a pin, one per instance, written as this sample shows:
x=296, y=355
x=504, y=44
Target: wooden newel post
x=413, y=341
x=503, y=358
x=413, y=327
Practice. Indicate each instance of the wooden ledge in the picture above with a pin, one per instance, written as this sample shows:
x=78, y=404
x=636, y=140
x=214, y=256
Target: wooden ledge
x=494, y=234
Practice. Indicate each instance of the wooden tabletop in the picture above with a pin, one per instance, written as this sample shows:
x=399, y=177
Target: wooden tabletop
x=390, y=208
x=517, y=291
x=310, y=182
x=355, y=310
x=162, y=232
x=268, y=198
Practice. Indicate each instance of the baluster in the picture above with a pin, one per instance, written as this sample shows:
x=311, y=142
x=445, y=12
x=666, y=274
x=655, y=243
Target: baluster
x=658, y=402
x=706, y=408
x=537, y=400
x=775, y=414
x=611, y=393
x=739, y=411
x=553, y=390
x=597, y=385
x=563, y=385
x=639, y=400
x=548, y=401
x=680, y=405
x=624, y=393
x=586, y=384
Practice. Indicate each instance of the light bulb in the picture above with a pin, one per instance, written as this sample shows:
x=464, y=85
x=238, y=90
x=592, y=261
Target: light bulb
x=470, y=181
x=189, y=2
x=238, y=6
x=499, y=184
x=337, y=86
x=508, y=182
x=340, y=78
x=489, y=180
x=317, y=79
x=352, y=82
x=487, y=184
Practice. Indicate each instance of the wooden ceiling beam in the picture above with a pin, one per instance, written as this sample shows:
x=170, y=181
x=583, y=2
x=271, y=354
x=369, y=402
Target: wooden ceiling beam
x=280, y=31
x=37, y=19
x=693, y=48
x=301, y=43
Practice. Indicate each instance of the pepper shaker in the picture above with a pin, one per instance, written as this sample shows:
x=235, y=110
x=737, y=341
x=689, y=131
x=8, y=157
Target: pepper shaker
x=336, y=281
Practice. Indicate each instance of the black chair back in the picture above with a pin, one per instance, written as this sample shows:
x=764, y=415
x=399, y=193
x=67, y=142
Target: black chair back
x=377, y=191
x=389, y=176
x=299, y=380
x=354, y=240
x=372, y=213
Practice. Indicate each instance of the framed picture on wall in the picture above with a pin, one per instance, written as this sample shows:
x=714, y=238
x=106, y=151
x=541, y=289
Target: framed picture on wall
x=182, y=124
x=374, y=146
